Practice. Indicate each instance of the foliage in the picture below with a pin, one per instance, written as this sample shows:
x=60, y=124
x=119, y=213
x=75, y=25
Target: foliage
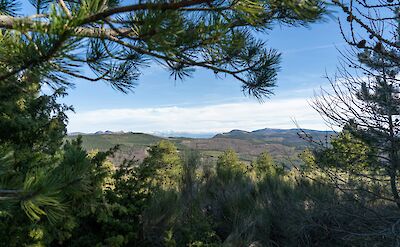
x=348, y=153
x=116, y=39
x=164, y=159
x=365, y=101
x=51, y=191
x=54, y=197
x=264, y=165
x=229, y=162
x=42, y=181
x=232, y=208
x=362, y=212
x=54, y=193
x=114, y=220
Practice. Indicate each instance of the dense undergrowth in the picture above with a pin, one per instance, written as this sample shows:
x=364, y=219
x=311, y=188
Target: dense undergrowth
x=181, y=199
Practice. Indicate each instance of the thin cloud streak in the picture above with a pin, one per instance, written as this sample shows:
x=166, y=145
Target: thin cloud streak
x=314, y=48
x=201, y=119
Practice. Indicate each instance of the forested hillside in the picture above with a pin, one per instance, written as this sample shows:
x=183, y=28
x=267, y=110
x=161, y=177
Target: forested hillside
x=267, y=187
x=283, y=145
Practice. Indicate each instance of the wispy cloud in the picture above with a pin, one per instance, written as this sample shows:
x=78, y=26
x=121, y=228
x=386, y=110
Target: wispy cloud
x=313, y=48
x=201, y=119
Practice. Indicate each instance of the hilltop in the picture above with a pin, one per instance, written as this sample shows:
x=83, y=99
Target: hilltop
x=287, y=137
x=282, y=144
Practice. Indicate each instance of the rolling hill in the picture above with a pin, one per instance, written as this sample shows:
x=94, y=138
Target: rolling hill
x=282, y=144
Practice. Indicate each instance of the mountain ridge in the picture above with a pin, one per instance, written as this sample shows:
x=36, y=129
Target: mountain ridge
x=177, y=134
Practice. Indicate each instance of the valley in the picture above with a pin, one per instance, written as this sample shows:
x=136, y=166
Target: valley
x=283, y=144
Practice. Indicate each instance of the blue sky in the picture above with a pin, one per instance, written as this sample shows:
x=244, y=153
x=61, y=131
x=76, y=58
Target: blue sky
x=204, y=104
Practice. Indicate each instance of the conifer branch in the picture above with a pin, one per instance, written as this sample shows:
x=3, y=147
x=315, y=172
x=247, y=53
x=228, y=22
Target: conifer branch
x=11, y=23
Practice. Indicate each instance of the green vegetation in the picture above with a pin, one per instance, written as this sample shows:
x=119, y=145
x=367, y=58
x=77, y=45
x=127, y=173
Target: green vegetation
x=53, y=192
x=368, y=107
x=105, y=142
x=283, y=145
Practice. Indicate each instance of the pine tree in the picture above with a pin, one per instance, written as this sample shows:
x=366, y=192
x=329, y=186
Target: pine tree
x=48, y=186
x=365, y=96
x=115, y=40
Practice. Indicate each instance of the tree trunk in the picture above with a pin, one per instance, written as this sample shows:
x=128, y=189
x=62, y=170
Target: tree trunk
x=393, y=164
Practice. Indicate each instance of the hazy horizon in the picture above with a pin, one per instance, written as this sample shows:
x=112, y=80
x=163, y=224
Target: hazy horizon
x=203, y=134
x=204, y=103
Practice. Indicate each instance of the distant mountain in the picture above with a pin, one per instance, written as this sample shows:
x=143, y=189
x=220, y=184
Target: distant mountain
x=234, y=134
x=108, y=132
x=290, y=137
x=163, y=134
x=282, y=144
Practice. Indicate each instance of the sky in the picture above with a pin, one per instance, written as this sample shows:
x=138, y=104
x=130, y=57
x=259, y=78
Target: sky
x=205, y=104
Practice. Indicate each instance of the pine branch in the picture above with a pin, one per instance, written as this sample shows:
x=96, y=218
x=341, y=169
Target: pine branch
x=145, y=6
x=11, y=23
x=44, y=58
x=220, y=39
